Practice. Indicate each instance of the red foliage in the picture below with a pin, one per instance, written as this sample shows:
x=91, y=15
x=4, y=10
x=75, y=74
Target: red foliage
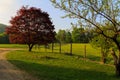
x=31, y=26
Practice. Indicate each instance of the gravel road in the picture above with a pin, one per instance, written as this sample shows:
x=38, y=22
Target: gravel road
x=8, y=71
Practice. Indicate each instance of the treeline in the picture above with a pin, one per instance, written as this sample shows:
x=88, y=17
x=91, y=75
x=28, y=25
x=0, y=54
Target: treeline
x=76, y=35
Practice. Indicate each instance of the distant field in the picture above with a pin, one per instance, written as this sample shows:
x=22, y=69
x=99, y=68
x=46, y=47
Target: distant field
x=56, y=66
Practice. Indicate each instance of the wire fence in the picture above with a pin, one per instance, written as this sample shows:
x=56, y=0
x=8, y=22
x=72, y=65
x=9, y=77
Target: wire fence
x=85, y=51
x=80, y=51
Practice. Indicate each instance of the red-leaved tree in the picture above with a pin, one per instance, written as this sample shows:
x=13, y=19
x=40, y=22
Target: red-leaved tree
x=31, y=26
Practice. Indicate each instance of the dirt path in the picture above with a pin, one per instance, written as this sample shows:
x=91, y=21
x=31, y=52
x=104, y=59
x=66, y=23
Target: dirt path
x=9, y=71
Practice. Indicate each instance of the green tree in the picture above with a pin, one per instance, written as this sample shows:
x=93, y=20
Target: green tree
x=96, y=12
x=76, y=35
x=68, y=37
x=99, y=41
x=79, y=35
x=61, y=36
x=83, y=36
x=89, y=35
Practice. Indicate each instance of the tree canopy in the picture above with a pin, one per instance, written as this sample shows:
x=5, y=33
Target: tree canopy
x=75, y=35
x=61, y=36
x=31, y=26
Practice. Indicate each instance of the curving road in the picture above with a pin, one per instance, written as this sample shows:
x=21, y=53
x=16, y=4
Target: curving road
x=9, y=71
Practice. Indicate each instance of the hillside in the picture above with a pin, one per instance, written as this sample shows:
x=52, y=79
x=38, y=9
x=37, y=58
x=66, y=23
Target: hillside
x=3, y=38
x=2, y=27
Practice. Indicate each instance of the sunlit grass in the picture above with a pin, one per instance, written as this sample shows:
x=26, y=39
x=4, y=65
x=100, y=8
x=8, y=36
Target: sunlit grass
x=13, y=46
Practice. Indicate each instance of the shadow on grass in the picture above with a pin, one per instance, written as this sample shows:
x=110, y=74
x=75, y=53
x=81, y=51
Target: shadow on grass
x=90, y=57
x=49, y=72
x=77, y=56
x=94, y=58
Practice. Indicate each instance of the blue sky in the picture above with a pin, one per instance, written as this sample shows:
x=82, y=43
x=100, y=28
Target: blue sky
x=8, y=8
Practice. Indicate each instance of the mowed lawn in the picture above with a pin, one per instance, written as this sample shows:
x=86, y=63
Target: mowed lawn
x=55, y=66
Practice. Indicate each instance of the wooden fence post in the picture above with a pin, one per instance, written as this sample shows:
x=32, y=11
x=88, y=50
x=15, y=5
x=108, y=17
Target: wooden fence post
x=52, y=47
x=71, y=48
x=85, y=52
x=60, y=47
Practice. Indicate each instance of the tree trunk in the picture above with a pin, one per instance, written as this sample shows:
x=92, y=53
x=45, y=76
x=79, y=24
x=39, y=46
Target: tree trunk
x=103, y=58
x=30, y=47
x=116, y=62
x=117, y=66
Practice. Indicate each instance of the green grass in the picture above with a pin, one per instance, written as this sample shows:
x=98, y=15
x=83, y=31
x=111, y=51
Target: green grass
x=55, y=66
x=13, y=46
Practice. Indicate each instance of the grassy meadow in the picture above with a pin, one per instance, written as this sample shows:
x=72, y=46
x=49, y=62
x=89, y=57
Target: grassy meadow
x=46, y=65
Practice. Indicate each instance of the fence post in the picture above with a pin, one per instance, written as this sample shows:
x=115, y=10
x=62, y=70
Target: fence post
x=52, y=47
x=60, y=47
x=71, y=48
x=45, y=48
x=85, y=52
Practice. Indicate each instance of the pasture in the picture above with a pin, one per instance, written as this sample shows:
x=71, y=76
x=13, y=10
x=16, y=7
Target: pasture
x=46, y=65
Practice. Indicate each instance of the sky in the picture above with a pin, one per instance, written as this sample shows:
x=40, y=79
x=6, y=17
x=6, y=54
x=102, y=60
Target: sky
x=8, y=9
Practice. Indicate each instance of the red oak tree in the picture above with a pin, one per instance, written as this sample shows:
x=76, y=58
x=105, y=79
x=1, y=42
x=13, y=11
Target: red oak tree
x=31, y=26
